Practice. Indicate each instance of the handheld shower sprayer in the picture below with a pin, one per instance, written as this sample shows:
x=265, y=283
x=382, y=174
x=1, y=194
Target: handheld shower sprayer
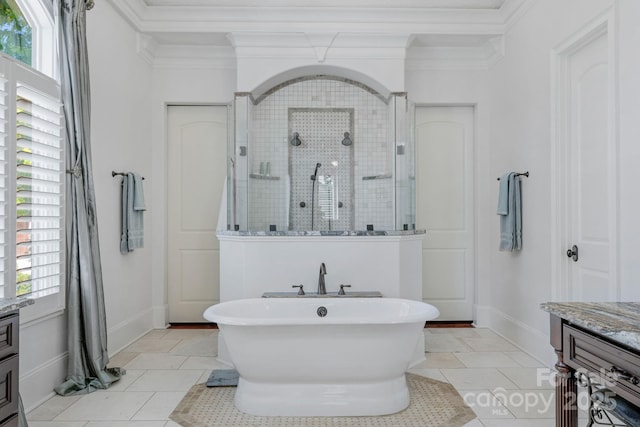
x=315, y=172
x=313, y=192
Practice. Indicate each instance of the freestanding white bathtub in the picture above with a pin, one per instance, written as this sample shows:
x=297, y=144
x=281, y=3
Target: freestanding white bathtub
x=293, y=361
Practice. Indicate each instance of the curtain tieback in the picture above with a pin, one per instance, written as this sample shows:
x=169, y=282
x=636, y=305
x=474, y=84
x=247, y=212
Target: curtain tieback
x=77, y=172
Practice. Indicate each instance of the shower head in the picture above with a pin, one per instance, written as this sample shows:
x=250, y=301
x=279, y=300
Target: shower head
x=295, y=139
x=315, y=172
x=347, y=141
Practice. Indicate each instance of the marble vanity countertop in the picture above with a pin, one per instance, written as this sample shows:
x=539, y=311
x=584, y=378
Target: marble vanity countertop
x=322, y=233
x=10, y=304
x=618, y=321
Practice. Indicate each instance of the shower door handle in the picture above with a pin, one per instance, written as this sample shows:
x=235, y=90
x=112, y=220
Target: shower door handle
x=573, y=253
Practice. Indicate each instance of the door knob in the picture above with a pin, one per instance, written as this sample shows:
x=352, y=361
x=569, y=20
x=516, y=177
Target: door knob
x=573, y=252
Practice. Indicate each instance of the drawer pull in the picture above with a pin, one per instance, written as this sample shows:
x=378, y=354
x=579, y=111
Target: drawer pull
x=621, y=374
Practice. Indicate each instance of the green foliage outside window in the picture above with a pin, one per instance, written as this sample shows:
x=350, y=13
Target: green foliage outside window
x=15, y=32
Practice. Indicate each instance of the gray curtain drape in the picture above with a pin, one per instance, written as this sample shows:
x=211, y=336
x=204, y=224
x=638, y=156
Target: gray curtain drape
x=86, y=323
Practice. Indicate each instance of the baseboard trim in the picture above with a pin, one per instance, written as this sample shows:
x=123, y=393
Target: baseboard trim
x=160, y=316
x=482, y=316
x=523, y=336
x=124, y=333
x=36, y=386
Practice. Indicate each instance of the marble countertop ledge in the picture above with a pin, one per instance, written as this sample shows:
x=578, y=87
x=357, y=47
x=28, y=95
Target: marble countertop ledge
x=350, y=294
x=10, y=304
x=617, y=321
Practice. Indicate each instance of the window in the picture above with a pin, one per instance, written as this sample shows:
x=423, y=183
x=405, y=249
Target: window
x=31, y=186
x=31, y=158
x=15, y=32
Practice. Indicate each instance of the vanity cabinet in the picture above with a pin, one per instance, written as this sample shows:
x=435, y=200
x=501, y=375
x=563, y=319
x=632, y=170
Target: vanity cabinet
x=595, y=341
x=9, y=372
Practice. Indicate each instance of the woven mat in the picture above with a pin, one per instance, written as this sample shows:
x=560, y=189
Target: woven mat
x=433, y=404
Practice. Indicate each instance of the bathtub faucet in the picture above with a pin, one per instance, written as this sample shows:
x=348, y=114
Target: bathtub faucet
x=322, y=290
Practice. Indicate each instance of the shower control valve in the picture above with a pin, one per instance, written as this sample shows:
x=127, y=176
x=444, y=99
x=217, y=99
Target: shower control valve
x=300, y=291
x=341, y=291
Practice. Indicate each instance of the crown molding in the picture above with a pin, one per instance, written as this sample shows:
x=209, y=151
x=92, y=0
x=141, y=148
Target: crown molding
x=184, y=56
x=456, y=58
x=513, y=10
x=146, y=47
x=146, y=18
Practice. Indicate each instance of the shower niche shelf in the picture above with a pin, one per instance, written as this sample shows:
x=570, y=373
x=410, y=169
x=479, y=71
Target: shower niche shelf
x=264, y=177
x=380, y=176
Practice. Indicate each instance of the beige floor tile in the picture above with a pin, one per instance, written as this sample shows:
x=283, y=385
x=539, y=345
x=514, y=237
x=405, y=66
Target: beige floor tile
x=199, y=346
x=152, y=346
x=489, y=344
x=440, y=360
x=126, y=380
x=485, y=404
x=166, y=380
x=524, y=359
x=474, y=423
x=189, y=334
x=156, y=361
x=52, y=408
x=534, y=403
x=160, y=406
x=525, y=378
x=122, y=358
x=487, y=359
x=456, y=332
x=126, y=424
x=487, y=333
x=438, y=343
x=434, y=374
x=156, y=334
x=518, y=423
x=208, y=363
x=477, y=379
x=57, y=423
x=105, y=406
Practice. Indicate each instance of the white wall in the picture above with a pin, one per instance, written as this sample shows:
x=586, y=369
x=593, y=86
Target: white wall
x=121, y=141
x=628, y=13
x=520, y=140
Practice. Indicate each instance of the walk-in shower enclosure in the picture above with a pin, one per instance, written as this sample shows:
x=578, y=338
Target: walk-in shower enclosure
x=321, y=153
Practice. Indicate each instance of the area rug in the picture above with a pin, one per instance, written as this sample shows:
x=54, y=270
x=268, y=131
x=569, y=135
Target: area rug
x=433, y=404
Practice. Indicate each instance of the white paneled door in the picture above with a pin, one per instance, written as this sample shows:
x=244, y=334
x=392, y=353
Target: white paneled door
x=445, y=141
x=197, y=144
x=587, y=173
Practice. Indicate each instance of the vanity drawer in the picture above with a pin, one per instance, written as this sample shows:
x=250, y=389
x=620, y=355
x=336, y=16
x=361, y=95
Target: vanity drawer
x=616, y=366
x=9, y=335
x=10, y=422
x=8, y=387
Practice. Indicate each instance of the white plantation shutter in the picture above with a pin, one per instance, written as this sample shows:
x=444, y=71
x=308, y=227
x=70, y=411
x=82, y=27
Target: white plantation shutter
x=39, y=186
x=32, y=178
x=3, y=179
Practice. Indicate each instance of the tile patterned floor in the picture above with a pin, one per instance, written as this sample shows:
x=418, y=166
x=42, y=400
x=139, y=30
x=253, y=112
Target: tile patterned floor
x=503, y=385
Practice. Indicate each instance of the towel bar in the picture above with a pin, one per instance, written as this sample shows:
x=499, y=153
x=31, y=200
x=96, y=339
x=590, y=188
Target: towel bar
x=114, y=173
x=519, y=174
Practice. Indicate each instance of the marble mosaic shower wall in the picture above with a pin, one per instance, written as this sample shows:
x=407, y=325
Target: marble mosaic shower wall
x=321, y=132
x=272, y=188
